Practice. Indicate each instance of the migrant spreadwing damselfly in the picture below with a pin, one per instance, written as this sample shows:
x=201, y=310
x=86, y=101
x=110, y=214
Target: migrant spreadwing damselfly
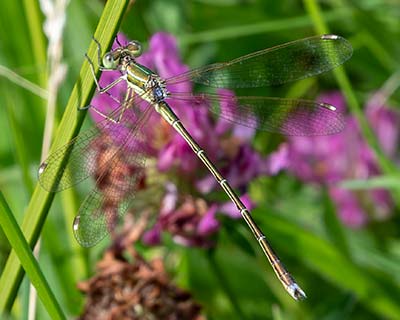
x=269, y=67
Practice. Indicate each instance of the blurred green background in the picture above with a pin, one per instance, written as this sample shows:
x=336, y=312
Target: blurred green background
x=346, y=273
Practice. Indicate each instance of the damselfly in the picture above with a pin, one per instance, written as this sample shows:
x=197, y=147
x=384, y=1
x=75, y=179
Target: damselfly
x=278, y=65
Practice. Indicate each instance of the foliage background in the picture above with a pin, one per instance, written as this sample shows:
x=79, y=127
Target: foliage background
x=346, y=273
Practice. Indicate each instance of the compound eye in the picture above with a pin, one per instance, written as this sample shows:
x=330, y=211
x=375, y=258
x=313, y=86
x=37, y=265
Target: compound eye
x=135, y=48
x=108, y=61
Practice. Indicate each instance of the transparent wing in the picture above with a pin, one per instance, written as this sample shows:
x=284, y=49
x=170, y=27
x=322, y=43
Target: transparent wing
x=81, y=163
x=116, y=183
x=274, y=66
x=285, y=116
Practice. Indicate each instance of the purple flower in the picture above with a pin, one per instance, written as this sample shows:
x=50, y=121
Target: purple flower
x=349, y=209
x=329, y=160
x=386, y=124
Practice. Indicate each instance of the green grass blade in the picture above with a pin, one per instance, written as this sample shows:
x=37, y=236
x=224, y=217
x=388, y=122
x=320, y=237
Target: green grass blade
x=28, y=261
x=37, y=39
x=260, y=28
x=20, y=150
x=72, y=120
x=334, y=226
x=385, y=182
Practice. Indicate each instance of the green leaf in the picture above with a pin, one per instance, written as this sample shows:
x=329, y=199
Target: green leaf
x=28, y=261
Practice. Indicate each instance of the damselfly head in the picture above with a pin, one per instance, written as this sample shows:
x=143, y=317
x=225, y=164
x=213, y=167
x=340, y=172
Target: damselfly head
x=122, y=55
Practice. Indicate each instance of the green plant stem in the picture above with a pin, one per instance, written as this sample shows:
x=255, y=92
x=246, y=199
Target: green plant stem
x=385, y=164
x=34, y=19
x=22, y=82
x=258, y=28
x=72, y=120
x=28, y=261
